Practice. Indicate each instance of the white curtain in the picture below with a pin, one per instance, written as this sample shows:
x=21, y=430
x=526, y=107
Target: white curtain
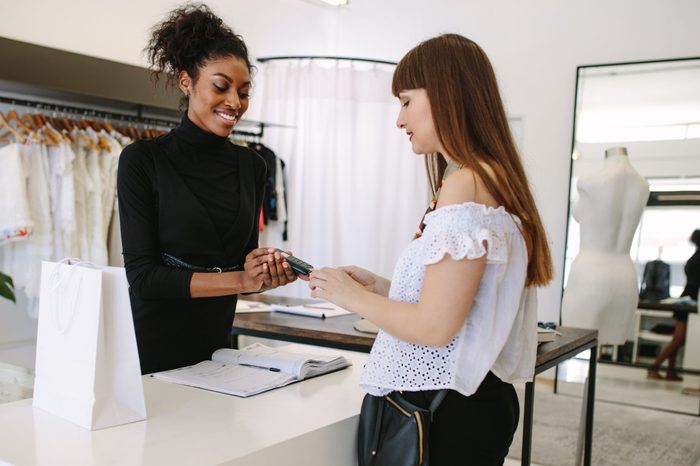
x=355, y=190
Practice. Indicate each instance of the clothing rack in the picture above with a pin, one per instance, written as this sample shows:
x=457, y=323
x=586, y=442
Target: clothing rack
x=61, y=108
x=325, y=57
x=257, y=127
x=255, y=134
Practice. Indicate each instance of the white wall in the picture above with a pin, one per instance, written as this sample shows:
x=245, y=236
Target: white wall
x=119, y=30
x=535, y=47
x=652, y=159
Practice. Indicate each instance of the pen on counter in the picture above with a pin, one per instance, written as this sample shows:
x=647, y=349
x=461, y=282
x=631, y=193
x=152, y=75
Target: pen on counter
x=273, y=369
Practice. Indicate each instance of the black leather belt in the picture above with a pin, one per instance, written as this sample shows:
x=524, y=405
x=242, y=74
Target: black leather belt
x=173, y=261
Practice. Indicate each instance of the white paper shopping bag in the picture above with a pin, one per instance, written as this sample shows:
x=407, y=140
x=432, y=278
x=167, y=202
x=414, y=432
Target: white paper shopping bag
x=87, y=364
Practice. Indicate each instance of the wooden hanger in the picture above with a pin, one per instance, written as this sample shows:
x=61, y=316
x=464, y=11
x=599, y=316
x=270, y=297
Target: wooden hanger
x=53, y=135
x=38, y=124
x=12, y=116
x=103, y=143
x=69, y=124
x=67, y=136
x=4, y=123
x=5, y=137
x=133, y=133
x=87, y=140
x=55, y=123
x=108, y=126
x=29, y=122
x=62, y=126
x=96, y=125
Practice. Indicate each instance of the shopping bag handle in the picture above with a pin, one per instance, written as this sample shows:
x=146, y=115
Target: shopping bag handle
x=73, y=263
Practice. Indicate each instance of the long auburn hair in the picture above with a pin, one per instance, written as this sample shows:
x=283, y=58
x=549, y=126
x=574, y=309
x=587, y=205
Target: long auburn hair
x=471, y=124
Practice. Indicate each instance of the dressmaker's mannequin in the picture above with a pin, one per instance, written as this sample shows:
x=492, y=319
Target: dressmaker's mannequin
x=602, y=289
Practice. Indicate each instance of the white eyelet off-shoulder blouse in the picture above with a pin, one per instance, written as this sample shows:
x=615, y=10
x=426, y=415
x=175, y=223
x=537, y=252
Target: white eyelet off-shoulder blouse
x=500, y=333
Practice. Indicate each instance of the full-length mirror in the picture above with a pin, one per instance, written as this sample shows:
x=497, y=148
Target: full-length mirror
x=634, y=208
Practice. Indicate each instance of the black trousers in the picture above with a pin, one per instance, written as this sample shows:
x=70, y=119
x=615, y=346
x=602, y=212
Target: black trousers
x=474, y=430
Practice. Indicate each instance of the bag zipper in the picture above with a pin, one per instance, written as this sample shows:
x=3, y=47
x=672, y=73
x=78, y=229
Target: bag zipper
x=418, y=421
x=397, y=406
x=420, y=437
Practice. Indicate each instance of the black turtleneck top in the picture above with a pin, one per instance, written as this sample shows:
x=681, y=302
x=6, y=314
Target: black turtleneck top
x=196, y=196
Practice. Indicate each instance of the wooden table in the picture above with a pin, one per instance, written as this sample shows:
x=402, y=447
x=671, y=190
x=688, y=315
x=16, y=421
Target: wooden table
x=334, y=332
x=338, y=332
x=571, y=342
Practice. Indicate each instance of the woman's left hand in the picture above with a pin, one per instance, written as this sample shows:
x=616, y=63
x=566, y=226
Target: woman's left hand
x=336, y=286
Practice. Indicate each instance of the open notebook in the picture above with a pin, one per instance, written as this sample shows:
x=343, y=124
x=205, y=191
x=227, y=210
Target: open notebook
x=253, y=369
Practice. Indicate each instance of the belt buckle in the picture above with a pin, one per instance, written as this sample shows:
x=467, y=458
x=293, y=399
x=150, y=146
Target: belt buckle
x=216, y=269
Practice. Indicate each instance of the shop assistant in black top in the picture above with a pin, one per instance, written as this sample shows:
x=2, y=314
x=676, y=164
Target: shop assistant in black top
x=189, y=201
x=197, y=197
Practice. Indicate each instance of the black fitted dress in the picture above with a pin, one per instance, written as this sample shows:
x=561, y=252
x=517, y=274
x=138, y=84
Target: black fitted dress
x=197, y=197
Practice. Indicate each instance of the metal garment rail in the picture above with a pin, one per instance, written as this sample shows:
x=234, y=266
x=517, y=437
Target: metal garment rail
x=325, y=57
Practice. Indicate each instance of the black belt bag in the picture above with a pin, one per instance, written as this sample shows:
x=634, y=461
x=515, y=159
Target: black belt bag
x=393, y=431
x=173, y=261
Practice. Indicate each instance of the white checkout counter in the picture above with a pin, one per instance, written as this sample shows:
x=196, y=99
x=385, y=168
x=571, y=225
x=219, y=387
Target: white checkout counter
x=312, y=422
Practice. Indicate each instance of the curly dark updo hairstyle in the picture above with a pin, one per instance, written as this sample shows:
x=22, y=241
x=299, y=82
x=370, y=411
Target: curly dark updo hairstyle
x=187, y=38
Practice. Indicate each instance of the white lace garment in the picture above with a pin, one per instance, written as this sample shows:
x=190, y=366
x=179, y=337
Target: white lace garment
x=500, y=333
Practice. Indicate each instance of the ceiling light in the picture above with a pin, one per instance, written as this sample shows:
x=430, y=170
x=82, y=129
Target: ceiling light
x=332, y=2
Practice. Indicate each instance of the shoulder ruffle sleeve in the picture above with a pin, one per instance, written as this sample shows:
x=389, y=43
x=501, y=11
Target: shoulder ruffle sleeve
x=468, y=231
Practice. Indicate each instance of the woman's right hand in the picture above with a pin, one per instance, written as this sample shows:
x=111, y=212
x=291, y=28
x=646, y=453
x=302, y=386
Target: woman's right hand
x=369, y=280
x=267, y=264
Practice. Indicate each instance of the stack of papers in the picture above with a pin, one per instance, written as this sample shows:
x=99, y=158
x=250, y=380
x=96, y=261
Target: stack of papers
x=244, y=306
x=545, y=335
x=318, y=310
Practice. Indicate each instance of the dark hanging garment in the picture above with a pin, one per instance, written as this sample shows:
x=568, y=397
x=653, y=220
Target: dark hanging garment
x=286, y=202
x=270, y=201
x=656, y=282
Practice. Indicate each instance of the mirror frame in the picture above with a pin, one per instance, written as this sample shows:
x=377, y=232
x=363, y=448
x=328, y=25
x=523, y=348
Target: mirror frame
x=573, y=146
x=571, y=187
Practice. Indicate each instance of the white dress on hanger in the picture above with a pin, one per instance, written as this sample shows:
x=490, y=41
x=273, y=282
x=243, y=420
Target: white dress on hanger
x=95, y=204
x=22, y=259
x=15, y=218
x=83, y=187
x=110, y=163
x=62, y=194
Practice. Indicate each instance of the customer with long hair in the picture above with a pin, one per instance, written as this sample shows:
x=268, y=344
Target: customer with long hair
x=460, y=312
